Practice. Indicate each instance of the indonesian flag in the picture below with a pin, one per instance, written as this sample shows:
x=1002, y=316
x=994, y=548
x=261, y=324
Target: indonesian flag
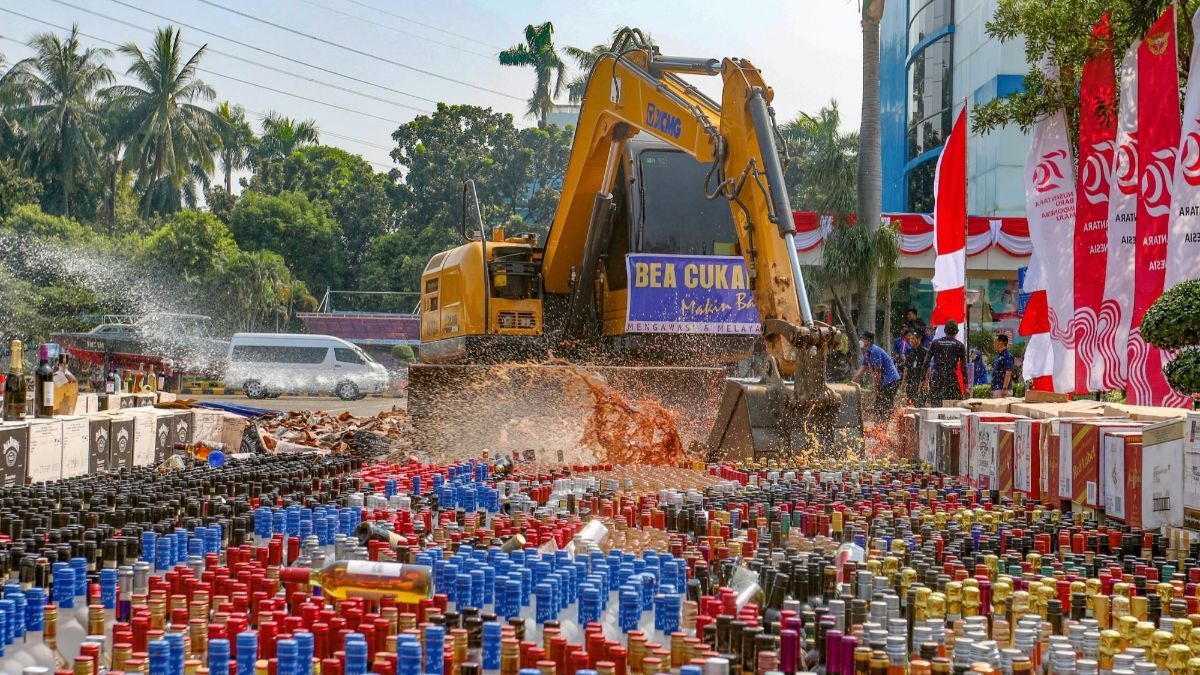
x=950, y=230
x=1158, y=141
x=1109, y=356
x=1038, y=364
x=1050, y=208
x=1183, y=240
x=1097, y=143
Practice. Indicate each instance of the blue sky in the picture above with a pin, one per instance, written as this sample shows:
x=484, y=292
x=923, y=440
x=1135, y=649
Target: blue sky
x=809, y=50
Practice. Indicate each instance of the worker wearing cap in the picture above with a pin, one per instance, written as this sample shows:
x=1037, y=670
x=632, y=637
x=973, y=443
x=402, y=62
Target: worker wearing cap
x=880, y=363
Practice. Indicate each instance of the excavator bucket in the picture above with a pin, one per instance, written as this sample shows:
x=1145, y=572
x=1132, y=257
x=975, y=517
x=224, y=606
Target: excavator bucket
x=563, y=412
x=766, y=419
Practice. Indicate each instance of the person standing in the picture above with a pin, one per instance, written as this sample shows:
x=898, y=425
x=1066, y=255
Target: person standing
x=883, y=369
x=915, y=364
x=979, y=369
x=947, y=365
x=1002, y=368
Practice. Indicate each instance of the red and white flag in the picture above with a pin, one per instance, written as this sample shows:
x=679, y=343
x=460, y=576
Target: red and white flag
x=1038, y=364
x=1097, y=143
x=1158, y=142
x=1183, y=239
x=1050, y=208
x=950, y=230
x=1109, y=356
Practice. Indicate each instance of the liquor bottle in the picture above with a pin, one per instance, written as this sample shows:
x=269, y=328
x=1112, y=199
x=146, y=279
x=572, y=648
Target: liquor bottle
x=127, y=387
x=148, y=383
x=139, y=379
x=112, y=381
x=406, y=584
x=43, y=384
x=15, y=390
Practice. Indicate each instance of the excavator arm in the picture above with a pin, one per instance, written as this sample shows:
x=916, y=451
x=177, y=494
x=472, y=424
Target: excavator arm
x=636, y=91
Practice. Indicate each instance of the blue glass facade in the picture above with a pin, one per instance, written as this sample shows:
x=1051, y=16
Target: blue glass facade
x=916, y=98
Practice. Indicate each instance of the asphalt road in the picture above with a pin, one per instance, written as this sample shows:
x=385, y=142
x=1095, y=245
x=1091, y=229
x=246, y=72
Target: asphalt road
x=362, y=408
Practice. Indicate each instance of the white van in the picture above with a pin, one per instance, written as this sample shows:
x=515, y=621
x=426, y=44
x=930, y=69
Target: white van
x=267, y=364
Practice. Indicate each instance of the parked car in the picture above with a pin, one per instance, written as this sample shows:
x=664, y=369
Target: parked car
x=266, y=365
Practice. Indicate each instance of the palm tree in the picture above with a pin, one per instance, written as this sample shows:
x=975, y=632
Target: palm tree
x=50, y=95
x=170, y=137
x=538, y=51
x=237, y=141
x=870, y=163
x=823, y=174
x=586, y=59
x=281, y=135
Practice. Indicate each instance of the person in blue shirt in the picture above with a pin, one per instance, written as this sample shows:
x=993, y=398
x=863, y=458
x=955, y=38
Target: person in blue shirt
x=979, y=368
x=883, y=370
x=1002, y=368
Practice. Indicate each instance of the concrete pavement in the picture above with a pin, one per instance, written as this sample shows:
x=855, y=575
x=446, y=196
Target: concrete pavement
x=361, y=408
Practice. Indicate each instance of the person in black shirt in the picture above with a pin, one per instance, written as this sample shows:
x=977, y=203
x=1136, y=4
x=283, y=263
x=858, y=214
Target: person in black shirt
x=947, y=364
x=914, y=367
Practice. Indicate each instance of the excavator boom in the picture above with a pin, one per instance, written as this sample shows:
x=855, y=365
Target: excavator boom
x=633, y=90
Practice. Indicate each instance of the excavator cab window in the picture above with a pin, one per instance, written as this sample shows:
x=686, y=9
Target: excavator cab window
x=675, y=215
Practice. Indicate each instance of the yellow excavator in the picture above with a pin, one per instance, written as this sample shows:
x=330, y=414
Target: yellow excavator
x=657, y=167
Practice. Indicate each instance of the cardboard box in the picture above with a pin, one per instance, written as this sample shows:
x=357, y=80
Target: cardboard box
x=99, y=433
x=128, y=401
x=1154, y=476
x=1032, y=396
x=14, y=453
x=1043, y=411
x=108, y=402
x=206, y=426
x=1027, y=457
x=232, y=428
x=1191, y=442
x=1143, y=413
x=908, y=435
x=977, y=455
x=1113, y=478
x=928, y=432
x=182, y=430
x=1079, y=449
x=145, y=400
x=143, y=439
x=45, y=450
x=165, y=396
x=86, y=404
x=75, y=450
x=1050, y=450
x=947, y=449
x=1004, y=459
x=122, y=441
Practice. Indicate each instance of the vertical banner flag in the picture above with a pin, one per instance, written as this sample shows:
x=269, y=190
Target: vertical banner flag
x=1038, y=364
x=950, y=230
x=1097, y=143
x=1183, y=239
x=1158, y=141
x=1109, y=357
x=1050, y=207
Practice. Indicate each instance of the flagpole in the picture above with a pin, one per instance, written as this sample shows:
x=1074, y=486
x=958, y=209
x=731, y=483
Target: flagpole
x=966, y=219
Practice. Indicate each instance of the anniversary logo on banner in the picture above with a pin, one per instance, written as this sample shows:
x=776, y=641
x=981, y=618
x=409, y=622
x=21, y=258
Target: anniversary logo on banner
x=689, y=294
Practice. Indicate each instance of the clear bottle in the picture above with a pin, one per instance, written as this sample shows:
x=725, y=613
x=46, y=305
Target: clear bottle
x=407, y=584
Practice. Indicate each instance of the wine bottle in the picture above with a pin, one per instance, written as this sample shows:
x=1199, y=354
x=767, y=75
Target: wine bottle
x=15, y=389
x=43, y=383
x=365, y=579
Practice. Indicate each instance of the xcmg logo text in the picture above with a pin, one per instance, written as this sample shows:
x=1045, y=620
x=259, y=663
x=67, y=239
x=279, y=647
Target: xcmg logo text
x=663, y=121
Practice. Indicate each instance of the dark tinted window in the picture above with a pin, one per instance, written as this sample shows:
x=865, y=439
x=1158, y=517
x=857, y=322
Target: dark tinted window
x=278, y=354
x=676, y=217
x=930, y=97
x=346, y=355
x=920, y=187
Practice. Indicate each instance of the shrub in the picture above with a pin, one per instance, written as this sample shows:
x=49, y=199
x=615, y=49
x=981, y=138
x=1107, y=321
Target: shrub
x=1173, y=323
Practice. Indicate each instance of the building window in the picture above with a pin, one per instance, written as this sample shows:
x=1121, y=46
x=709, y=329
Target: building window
x=930, y=97
x=926, y=16
x=920, y=186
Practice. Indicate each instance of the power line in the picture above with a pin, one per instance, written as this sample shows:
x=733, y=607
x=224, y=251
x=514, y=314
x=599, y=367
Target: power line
x=358, y=51
x=425, y=25
x=221, y=75
x=250, y=61
x=399, y=31
x=272, y=53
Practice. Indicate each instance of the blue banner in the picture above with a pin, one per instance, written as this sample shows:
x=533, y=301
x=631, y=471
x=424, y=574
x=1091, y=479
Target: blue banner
x=689, y=294
x=1022, y=296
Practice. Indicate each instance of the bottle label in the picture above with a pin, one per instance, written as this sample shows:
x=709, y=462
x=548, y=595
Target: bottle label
x=374, y=569
x=48, y=394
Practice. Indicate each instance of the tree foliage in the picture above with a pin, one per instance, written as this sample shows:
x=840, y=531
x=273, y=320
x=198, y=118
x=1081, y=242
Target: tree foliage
x=1173, y=323
x=585, y=60
x=294, y=227
x=1063, y=29
x=539, y=53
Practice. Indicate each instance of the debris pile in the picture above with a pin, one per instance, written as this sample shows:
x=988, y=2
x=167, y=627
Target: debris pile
x=389, y=432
